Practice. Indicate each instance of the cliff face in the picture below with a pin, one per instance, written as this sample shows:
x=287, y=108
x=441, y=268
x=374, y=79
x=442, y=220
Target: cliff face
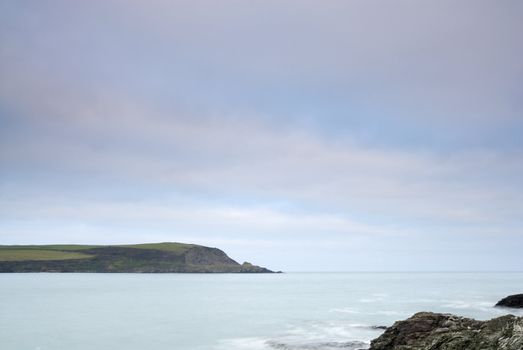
x=160, y=257
x=432, y=331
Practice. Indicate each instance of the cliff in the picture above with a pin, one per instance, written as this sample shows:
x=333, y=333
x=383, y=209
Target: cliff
x=153, y=257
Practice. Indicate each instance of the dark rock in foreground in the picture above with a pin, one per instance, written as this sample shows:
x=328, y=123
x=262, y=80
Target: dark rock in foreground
x=515, y=301
x=153, y=257
x=432, y=331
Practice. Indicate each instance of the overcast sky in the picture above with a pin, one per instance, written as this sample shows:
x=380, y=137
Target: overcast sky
x=299, y=135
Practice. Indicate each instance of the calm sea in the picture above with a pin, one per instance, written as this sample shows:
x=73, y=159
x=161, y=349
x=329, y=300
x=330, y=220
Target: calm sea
x=231, y=311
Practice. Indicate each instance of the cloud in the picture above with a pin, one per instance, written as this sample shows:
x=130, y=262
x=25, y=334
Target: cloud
x=425, y=64
x=219, y=157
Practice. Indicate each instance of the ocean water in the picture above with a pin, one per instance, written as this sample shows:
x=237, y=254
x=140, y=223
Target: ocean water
x=291, y=311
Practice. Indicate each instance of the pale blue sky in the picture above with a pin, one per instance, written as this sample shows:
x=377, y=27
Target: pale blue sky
x=300, y=135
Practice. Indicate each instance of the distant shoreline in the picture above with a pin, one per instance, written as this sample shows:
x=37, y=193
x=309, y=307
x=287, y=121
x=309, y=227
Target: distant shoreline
x=167, y=257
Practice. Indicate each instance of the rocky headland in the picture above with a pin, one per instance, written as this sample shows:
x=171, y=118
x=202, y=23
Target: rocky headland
x=434, y=331
x=151, y=257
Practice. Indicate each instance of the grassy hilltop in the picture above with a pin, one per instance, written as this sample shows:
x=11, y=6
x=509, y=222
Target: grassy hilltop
x=149, y=257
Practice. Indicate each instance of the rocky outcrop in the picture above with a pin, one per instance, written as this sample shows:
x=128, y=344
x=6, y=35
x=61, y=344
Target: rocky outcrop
x=250, y=268
x=515, y=301
x=205, y=256
x=433, y=331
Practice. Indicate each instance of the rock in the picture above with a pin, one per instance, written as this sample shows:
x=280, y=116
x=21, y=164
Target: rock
x=515, y=301
x=433, y=331
x=247, y=267
x=379, y=327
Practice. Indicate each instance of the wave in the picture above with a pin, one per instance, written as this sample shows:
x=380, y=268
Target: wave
x=354, y=311
x=271, y=344
x=469, y=307
x=310, y=336
x=479, y=305
x=461, y=304
x=350, y=345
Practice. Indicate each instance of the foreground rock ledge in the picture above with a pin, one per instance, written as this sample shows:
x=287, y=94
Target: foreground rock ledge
x=432, y=331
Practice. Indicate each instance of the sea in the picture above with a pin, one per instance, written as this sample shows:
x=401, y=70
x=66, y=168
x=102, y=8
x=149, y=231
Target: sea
x=288, y=311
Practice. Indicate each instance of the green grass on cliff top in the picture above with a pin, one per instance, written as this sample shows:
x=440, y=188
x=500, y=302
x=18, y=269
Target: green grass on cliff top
x=178, y=248
x=60, y=247
x=71, y=251
x=38, y=254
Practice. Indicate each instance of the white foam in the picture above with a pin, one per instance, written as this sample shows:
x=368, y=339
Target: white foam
x=389, y=313
x=346, y=310
x=282, y=344
x=252, y=343
x=309, y=336
x=354, y=311
x=371, y=300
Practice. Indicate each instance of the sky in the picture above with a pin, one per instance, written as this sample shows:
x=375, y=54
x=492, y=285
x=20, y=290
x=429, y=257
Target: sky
x=304, y=135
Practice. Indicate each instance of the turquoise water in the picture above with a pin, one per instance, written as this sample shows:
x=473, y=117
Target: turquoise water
x=290, y=311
